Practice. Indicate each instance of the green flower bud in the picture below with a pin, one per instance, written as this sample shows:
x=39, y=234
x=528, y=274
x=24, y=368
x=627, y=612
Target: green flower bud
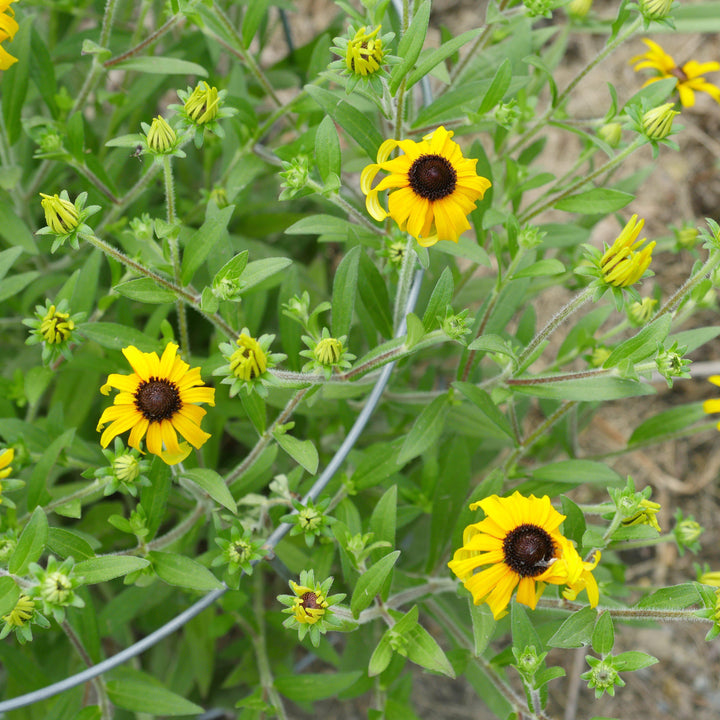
x=328, y=351
x=611, y=133
x=126, y=468
x=364, y=52
x=249, y=361
x=203, y=104
x=161, y=137
x=657, y=123
x=61, y=215
x=56, y=327
x=578, y=9
x=655, y=9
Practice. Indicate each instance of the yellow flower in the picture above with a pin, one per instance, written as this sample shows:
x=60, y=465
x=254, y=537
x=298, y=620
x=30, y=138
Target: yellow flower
x=158, y=399
x=6, y=457
x=689, y=76
x=574, y=572
x=709, y=406
x=161, y=137
x=710, y=578
x=645, y=515
x=621, y=265
x=364, y=52
x=309, y=604
x=8, y=28
x=520, y=541
x=203, y=104
x=61, y=215
x=435, y=187
x=249, y=361
x=328, y=351
x=657, y=123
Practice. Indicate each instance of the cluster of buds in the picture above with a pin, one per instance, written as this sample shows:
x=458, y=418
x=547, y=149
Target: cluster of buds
x=249, y=360
x=671, y=363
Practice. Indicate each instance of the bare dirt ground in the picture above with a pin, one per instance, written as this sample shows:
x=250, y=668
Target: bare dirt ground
x=685, y=185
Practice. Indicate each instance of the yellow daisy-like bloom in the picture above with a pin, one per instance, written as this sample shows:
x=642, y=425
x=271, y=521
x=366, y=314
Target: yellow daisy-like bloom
x=520, y=541
x=203, y=104
x=249, y=361
x=574, y=572
x=436, y=187
x=709, y=406
x=364, y=52
x=158, y=399
x=621, y=265
x=689, y=77
x=6, y=457
x=8, y=28
x=309, y=605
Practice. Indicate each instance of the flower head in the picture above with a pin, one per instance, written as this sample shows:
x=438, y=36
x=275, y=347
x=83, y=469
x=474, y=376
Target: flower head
x=202, y=105
x=19, y=619
x=657, y=122
x=365, y=53
x=159, y=398
x=621, y=265
x=248, y=362
x=8, y=28
x=55, y=588
x=6, y=457
x=520, y=541
x=326, y=353
x=53, y=326
x=640, y=312
x=61, y=215
x=202, y=108
x=611, y=133
x=689, y=77
x=160, y=138
x=434, y=187
x=125, y=471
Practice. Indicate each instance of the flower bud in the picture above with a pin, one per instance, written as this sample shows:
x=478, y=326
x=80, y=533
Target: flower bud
x=655, y=9
x=203, y=104
x=56, y=327
x=578, y=9
x=688, y=531
x=328, y=351
x=61, y=215
x=126, y=468
x=56, y=588
x=611, y=133
x=657, y=123
x=249, y=361
x=640, y=313
x=161, y=137
x=364, y=52
x=621, y=264
x=686, y=236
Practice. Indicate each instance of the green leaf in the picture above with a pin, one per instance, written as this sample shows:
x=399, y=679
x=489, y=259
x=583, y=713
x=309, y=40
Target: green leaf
x=302, y=452
x=694, y=338
x=263, y=274
x=574, y=525
x=590, y=389
x=487, y=407
x=498, y=87
x=576, y=631
x=214, y=485
x=13, y=228
x=16, y=283
x=31, y=543
x=578, y=472
x=642, y=345
x=426, y=430
x=344, y=291
x=145, y=290
x=441, y=297
x=667, y=422
x=182, y=571
x=466, y=247
x=254, y=14
x=633, y=660
x=116, y=337
x=327, y=149
x=603, y=637
x=549, y=266
x=674, y=597
x=69, y=544
x=232, y=269
x=254, y=406
x=7, y=258
x=410, y=45
x=154, y=497
x=9, y=595
x=381, y=657
x=414, y=329
x=436, y=56
x=384, y=517
x=374, y=296
x=309, y=687
x=322, y=225
x=157, y=65
x=371, y=582
x=101, y=569
x=491, y=343
x=40, y=476
x=423, y=650
x=201, y=244
x=149, y=698
x=595, y=202
x=483, y=626
x=379, y=462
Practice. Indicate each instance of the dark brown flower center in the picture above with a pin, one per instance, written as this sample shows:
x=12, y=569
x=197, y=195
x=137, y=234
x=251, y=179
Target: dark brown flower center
x=157, y=399
x=432, y=177
x=528, y=549
x=679, y=73
x=309, y=601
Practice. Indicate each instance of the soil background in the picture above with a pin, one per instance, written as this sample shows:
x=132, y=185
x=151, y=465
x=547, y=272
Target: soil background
x=684, y=186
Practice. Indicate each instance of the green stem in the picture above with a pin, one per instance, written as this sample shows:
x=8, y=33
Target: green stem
x=584, y=180
x=147, y=41
x=95, y=180
x=689, y=285
x=87, y=491
x=554, y=323
x=175, y=255
x=660, y=615
x=404, y=283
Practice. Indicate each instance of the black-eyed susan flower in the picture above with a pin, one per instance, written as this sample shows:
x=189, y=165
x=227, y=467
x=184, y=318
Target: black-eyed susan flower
x=8, y=28
x=310, y=606
x=364, y=54
x=574, y=572
x=520, y=541
x=158, y=399
x=689, y=76
x=434, y=188
x=622, y=264
x=713, y=405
